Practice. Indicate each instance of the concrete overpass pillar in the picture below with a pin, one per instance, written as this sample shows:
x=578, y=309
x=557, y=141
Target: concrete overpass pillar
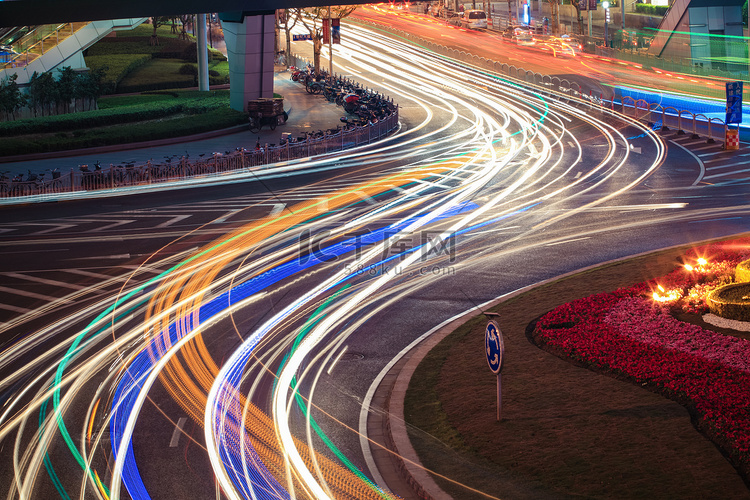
x=202, y=46
x=250, y=50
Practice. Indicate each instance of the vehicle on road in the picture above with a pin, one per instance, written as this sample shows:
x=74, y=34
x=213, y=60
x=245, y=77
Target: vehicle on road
x=519, y=35
x=558, y=46
x=474, y=19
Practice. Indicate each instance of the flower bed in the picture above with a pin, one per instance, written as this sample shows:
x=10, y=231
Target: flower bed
x=632, y=333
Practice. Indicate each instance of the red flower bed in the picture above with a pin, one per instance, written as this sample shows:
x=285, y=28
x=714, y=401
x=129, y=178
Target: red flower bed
x=632, y=334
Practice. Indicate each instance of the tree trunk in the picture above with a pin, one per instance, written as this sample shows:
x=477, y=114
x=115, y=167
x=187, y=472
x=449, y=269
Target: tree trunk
x=580, y=23
x=276, y=36
x=317, y=46
x=288, y=43
x=555, y=27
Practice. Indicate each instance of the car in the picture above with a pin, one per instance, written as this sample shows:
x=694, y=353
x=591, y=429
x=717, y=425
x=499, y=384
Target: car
x=519, y=35
x=558, y=46
x=453, y=17
x=474, y=19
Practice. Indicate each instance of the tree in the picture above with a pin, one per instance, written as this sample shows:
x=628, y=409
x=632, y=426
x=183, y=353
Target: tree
x=94, y=83
x=579, y=16
x=156, y=22
x=35, y=95
x=185, y=20
x=11, y=97
x=555, y=8
x=66, y=87
x=312, y=19
x=283, y=19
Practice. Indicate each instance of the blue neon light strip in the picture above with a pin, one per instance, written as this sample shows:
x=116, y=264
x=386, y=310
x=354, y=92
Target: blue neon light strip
x=127, y=390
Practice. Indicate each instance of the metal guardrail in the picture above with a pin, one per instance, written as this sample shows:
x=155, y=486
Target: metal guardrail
x=243, y=160
x=712, y=128
x=671, y=117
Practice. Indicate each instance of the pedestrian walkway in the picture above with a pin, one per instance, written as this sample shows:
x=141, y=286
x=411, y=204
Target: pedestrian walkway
x=307, y=113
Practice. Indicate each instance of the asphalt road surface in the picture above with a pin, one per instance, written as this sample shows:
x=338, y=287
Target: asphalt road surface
x=221, y=342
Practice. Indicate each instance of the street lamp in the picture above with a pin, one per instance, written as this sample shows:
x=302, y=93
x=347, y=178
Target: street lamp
x=605, y=4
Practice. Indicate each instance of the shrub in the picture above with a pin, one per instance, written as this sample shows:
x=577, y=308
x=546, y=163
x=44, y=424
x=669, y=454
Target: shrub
x=651, y=10
x=172, y=49
x=215, y=55
x=189, y=69
x=190, y=53
x=213, y=72
x=158, y=108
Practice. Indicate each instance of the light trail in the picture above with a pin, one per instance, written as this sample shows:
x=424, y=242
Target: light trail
x=497, y=153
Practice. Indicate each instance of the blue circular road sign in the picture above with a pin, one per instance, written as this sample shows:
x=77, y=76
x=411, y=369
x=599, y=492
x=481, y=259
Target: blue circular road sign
x=494, y=346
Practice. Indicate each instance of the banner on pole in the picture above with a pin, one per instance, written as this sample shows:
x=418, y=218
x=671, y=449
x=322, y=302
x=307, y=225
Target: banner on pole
x=336, y=30
x=326, y=32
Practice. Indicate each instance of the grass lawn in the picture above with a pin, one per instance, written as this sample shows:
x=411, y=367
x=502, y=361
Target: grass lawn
x=159, y=74
x=566, y=431
x=132, y=64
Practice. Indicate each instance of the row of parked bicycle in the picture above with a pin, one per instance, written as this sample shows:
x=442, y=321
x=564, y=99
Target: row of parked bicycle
x=362, y=105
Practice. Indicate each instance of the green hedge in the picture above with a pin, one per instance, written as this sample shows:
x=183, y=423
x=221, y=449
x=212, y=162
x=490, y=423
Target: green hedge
x=651, y=10
x=132, y=100
x=114, y=115
x=122, y=134
x=728, y=301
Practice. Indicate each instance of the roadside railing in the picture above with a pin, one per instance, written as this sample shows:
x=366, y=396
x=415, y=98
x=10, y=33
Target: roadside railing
x=259, y=159
x=672, y=118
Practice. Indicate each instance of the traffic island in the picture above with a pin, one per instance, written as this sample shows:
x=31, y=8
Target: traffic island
x=572, y=424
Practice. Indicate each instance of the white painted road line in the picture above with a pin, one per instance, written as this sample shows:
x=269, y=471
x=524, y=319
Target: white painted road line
x=700, y=162
x=44, y=281
x=177, y=431
x=24, y=293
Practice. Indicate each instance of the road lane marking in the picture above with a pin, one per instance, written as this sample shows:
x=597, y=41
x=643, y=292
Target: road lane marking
x=335, y=361
x=277, y=209
x=15, y=291
x=8, y=307
x=495, y=230
x=568, y=241
x=174, y=219
x=717, y=167
x=177, y=431
x=45, y=281
x=90, y=274
x=710, y=146
x=700, y=162
x=727, y=173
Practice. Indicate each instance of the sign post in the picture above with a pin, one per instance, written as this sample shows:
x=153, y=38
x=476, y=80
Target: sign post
x=495, y=350
x=734, y=115
x=734, y=102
